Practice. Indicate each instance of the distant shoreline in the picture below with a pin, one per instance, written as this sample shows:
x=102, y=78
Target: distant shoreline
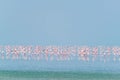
x=52, y=75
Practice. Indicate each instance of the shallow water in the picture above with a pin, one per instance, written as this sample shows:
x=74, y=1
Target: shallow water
x=31, y=75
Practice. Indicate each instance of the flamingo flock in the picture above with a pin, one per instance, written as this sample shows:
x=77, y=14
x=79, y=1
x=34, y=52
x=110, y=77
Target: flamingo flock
x=62, y=53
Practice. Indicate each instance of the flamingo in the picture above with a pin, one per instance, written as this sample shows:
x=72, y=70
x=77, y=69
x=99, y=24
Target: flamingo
x=8, y=51
x=94, y=53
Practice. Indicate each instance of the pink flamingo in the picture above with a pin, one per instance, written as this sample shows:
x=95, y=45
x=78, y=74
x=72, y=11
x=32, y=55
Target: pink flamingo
x=23, y=52
x=38, y=52
x=8, y=51
x=2, y=52
x=83, y=52
x=115, y=51
x=94, y=53
x=15, y=53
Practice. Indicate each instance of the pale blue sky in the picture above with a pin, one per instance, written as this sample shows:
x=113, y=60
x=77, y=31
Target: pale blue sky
x=78, y=22
x=59, y=22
